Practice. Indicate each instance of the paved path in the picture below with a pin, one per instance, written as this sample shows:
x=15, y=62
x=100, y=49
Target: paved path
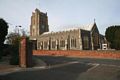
x=5, y=67
x=51, y=60
x=61, y=68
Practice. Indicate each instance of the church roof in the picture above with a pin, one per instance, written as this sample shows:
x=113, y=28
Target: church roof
x=47, y=32
x=75, y=27
x=87, y=27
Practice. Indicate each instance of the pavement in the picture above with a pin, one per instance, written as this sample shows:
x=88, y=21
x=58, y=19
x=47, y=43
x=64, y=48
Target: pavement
x=68, y=68
x=5, y=67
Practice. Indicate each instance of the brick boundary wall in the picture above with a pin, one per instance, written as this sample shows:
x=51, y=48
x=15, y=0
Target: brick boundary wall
x=82, y=54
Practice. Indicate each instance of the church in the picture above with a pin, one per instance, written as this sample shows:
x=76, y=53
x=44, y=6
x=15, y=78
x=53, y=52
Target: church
x=81, y=38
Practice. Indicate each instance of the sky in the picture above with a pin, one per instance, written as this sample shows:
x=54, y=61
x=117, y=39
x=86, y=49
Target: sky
x=62, y=13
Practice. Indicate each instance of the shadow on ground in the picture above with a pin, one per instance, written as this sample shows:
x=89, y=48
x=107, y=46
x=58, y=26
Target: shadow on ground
x=76, y=71
x=54, y=60
x=69, y=72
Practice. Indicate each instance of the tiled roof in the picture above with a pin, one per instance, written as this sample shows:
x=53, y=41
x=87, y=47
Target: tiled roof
x=87, y=27
x=83, y=27
x=75, y=27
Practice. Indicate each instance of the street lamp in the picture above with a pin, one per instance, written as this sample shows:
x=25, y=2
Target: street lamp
x=19, y=26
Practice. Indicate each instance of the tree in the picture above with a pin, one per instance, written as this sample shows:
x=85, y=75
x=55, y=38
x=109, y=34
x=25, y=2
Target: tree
x=112, y=36
x=3, y=32
x=14, y=39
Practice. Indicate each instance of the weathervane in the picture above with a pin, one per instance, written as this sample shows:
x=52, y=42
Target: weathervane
x=38, y=4
x=94, y=20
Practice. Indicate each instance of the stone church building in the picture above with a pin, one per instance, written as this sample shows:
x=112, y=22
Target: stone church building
x=80, y=38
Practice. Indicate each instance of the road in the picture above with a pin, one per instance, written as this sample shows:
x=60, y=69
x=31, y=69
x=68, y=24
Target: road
x=66, y=68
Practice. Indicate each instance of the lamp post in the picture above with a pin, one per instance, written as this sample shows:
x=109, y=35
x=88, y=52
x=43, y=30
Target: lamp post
x=18, y=28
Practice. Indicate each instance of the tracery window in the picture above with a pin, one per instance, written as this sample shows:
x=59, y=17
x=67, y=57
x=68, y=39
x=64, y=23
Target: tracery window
x=62, y=43
x=45, y=44
x=53, y=44
x=39, y=44
x=86, y=42
x=73, y=42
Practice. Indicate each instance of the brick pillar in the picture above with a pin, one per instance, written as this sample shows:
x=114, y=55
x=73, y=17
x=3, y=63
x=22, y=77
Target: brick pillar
x=25, y=53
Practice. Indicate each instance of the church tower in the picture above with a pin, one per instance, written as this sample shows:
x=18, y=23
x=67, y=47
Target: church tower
x=39, y=23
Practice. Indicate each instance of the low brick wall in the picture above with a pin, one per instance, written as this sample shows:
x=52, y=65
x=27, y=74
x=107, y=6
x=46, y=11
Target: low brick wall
x=83, y=54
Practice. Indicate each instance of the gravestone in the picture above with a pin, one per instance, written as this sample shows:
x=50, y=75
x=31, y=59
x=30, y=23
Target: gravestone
x=25, y=53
